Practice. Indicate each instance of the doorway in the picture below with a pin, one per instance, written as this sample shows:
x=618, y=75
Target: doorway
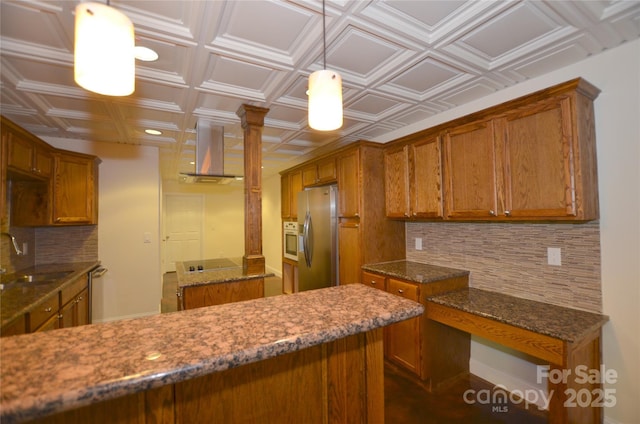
x=183, y=218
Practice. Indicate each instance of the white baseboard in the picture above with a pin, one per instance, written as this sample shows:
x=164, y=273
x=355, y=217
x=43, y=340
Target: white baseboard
x=508, y=381
x=277, y=272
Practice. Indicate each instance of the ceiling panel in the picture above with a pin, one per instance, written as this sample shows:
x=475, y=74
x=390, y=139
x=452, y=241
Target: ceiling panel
x=401, y=62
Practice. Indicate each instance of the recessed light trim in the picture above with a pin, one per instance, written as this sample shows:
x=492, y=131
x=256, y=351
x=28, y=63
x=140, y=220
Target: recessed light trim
x=153, y=132
x=145, y=54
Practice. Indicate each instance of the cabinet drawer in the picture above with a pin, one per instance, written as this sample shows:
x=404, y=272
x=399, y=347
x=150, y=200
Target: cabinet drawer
x=406, y=290
x=373, y=280
x=71, y=291
x=42, y=312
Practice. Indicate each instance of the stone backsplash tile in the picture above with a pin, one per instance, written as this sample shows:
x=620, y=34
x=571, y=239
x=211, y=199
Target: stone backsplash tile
x=511, y=258
x=66, y=244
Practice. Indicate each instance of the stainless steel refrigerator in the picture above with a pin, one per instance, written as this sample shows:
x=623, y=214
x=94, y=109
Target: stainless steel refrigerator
x=317, y=238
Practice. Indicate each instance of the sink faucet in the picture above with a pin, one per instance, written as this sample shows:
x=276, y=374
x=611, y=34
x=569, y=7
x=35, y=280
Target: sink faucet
x=15, y=243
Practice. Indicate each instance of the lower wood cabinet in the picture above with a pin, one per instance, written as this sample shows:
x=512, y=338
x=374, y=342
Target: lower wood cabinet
x=289, y=276
x=64, y=308
x=341, y=381
x=220, y=293
x=403, y=338
x=414, y=345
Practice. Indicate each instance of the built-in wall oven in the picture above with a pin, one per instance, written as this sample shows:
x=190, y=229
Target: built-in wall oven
x=290, y=240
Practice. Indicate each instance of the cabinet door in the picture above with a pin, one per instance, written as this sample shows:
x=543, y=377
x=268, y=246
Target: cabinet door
x=348, y=185
x=403, y=338
x=396, y=182
x=349, y=251
x=327, y=171
x=19, y=153
x=74, y=191
x=67, y=315
x=81, y=315
x=538, y=174
x=42, y=161
x=426, y=178
x=470, y=171
x=15, y=327
x=295, y=187
x=310, y=175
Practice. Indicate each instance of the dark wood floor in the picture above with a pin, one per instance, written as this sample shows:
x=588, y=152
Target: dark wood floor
x=406, y=402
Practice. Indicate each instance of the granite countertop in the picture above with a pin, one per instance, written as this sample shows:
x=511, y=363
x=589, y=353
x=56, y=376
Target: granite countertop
x=559, y=322
x=414, y=271
x=19, y=298
x=81, y=365
x=233, y=272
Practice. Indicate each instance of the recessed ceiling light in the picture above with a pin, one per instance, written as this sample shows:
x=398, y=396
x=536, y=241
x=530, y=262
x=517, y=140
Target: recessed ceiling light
x=145, y=54
x=153, y=132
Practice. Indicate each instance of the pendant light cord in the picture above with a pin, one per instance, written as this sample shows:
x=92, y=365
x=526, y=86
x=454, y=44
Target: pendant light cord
x=324, y=38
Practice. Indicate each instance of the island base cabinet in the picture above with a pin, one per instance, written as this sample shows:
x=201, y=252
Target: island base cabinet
x=337, y=382
x=219, y=293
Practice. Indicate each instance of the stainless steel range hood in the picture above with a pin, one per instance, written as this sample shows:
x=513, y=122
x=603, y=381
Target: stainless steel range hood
x=209, y=156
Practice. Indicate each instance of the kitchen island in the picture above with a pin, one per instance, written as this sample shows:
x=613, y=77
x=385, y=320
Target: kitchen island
x=215, y=282
x=314, y=356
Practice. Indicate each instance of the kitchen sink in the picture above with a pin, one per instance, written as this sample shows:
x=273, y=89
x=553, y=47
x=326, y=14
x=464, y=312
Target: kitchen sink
x=25, y=280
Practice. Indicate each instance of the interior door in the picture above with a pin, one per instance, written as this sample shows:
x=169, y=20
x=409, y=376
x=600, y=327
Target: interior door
x=183, y=228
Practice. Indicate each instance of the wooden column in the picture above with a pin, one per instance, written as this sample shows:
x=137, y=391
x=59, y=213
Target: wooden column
x=252, y=119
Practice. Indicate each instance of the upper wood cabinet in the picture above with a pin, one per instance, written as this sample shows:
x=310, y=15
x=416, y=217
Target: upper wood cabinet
x=49, y=186
x=532, y=158
x=290, y=186
x=470, y=171
x=348, y=184
x=413, y=180
x=74, y=189
x=319, y=173
x=28, y=155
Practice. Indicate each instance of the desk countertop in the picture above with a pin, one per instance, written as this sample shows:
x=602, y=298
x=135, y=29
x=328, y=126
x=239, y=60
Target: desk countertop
x=415, y=271
x=562, y=323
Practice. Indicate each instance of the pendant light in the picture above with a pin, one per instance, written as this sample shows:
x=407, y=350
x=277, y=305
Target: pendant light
x=104, y=59
x=325, y=92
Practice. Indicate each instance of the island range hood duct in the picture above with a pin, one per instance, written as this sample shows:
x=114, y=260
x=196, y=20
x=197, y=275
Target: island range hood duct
x=209, y=156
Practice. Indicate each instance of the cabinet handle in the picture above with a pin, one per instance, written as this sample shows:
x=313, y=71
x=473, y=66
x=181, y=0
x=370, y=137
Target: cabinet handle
x=373, y=282
x=492, y=213
x=48, y=309
x=400, y=291
x=508, y=213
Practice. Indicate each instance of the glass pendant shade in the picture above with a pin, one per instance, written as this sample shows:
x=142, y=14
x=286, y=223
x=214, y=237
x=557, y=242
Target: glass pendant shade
x=325, y=100
x=104, y=50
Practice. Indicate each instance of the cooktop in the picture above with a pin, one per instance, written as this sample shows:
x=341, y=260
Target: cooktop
x=208, y=265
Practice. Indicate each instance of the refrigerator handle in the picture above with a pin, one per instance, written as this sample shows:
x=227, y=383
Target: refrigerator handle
x=307, y=234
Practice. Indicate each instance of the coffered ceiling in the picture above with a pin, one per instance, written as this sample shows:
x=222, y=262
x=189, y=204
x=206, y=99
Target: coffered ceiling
x=400, y=61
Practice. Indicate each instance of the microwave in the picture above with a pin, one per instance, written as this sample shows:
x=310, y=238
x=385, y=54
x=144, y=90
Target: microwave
x=290, y=240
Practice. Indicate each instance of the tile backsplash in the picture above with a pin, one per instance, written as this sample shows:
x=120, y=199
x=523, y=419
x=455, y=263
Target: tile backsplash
x=48, y=245
x=512, y=258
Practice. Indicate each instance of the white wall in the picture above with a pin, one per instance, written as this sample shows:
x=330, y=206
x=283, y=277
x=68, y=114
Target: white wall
x=272, y=224
x=129, y=206
x=617, y=110
x=223, y=224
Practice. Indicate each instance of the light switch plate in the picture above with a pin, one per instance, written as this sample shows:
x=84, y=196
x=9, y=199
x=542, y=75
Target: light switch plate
x=554, y=256
x=418, y=243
